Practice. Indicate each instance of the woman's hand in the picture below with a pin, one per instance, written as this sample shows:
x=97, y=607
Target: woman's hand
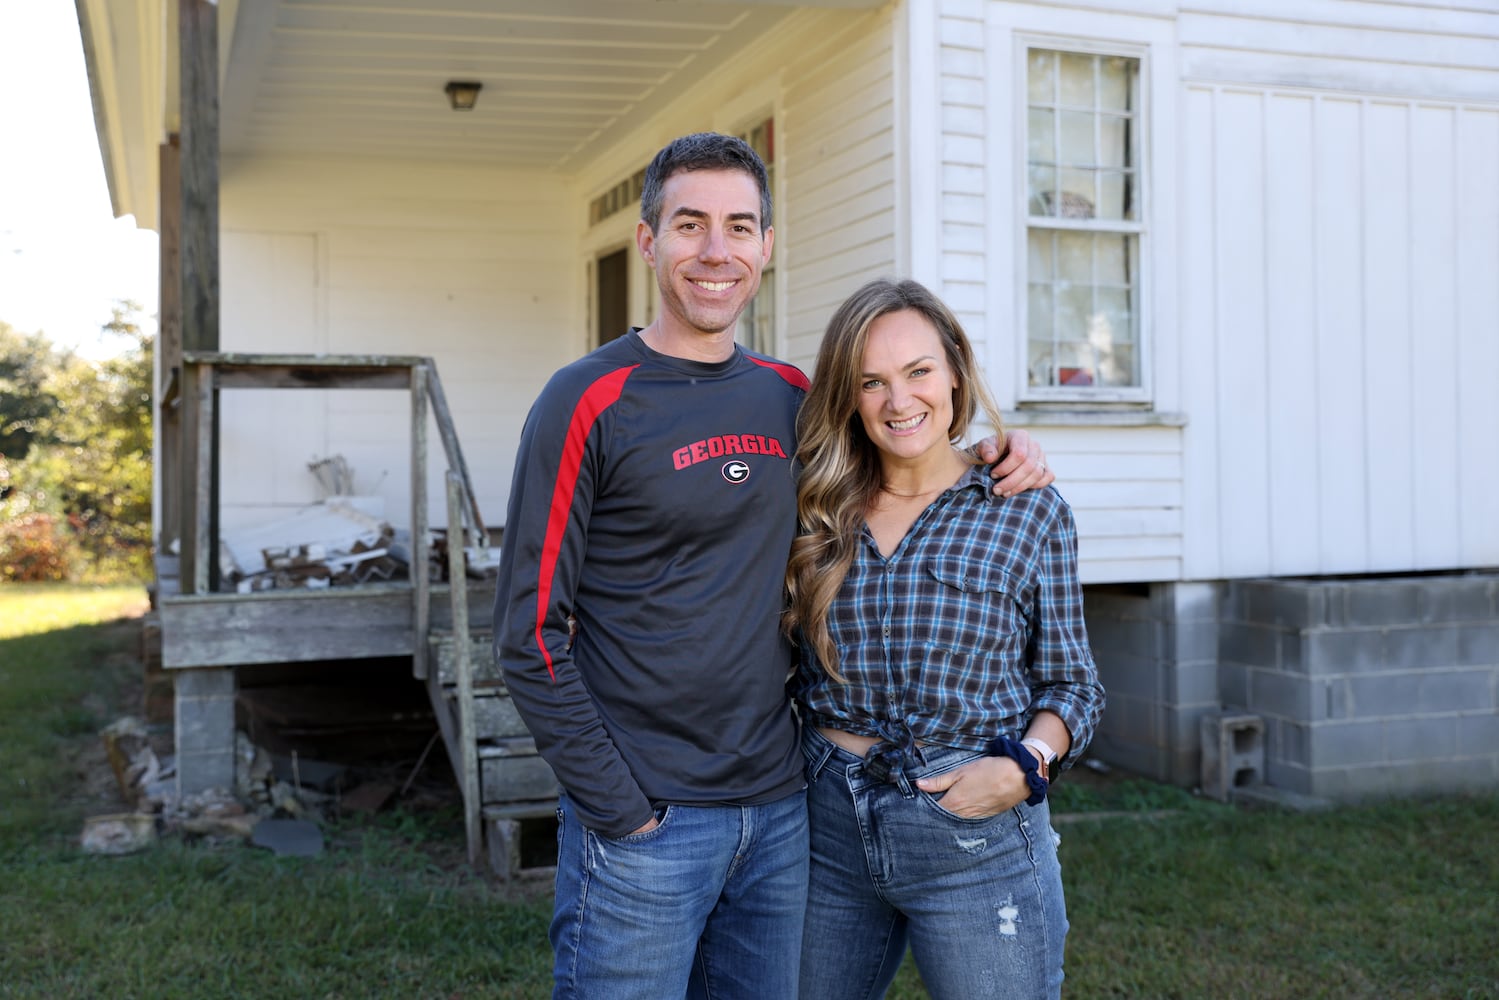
x=979, y=789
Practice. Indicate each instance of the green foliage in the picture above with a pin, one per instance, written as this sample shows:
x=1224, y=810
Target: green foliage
x=75, y=445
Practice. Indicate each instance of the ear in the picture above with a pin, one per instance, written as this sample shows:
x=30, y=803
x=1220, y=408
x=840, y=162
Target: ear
x=645, y=241
x=770, y=238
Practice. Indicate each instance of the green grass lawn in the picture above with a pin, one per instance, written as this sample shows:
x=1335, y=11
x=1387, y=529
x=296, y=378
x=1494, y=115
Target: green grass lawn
x=1178, y=899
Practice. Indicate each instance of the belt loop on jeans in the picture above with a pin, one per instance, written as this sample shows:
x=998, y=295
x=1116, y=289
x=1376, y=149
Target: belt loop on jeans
x=824, y=754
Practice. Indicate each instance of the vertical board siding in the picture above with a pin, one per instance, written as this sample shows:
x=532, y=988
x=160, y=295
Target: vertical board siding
x=1388, y=387
x=1342, y=515
x=1476, y=157
x=1242, y=376
x=1434, y=330
x=837, y=134
x=1291, y=359
x=1351, y=308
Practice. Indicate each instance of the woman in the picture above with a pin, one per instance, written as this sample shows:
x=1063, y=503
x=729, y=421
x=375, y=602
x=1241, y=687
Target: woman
x=946, y=677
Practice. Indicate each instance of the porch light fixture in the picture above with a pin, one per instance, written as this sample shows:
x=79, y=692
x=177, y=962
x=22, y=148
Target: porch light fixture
x=463, y=94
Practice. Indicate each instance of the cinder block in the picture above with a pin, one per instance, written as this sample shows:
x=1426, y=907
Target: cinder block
x=1286, y=695
x=1254, y=645
x=1375, y=603
x=1376, y=696
x=1233, y=752
x=204, y=724
x=1431, y=646
x=1457, y=600
x=1423, y=739
x=1478, y=735
x=198, y=772
x=204, y=682
x=1346, y=744
x=1478, y=646
x=1343, y=652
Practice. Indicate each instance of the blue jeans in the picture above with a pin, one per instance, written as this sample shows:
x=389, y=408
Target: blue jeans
x=979, y=900
x=709, y=904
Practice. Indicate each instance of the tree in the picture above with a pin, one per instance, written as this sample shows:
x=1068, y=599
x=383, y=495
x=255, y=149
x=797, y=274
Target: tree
x=88, y=454
x=25, y=361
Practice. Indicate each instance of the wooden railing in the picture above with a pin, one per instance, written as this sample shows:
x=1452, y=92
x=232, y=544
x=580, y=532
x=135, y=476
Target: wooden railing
x=191, y=411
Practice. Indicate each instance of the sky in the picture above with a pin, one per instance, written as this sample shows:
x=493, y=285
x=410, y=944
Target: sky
x=64, y=259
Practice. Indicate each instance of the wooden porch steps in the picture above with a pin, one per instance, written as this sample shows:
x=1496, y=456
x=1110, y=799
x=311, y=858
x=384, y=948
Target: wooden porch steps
x=510, y=793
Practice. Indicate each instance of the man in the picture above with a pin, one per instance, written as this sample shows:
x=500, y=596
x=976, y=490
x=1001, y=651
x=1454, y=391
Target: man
x=653, y=506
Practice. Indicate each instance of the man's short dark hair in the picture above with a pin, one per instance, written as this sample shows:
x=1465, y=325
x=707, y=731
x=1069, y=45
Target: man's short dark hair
x=701, y=151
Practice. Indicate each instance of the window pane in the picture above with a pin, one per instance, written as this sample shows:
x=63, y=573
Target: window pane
x=1038, y=245
x=1118, y=367
x=1077, y=138
x=1040, y=370
x=1082, y=326
x=1111, y=259
x=1076, y=80
x=1116, y=195
x=1040, y=74
x=1114, y=141
x=1075, y=257
x=1074, y=307
x=1075, y=364
x=1043, y=191
x=1040, y=138
x=1076, y=195
x=1116, y=76
x=1038, y=313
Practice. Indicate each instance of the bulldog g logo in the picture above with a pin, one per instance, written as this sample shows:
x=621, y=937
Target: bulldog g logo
x=735, y=472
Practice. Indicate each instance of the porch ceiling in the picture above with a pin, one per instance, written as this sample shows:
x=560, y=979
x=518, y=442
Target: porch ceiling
x=563, y=79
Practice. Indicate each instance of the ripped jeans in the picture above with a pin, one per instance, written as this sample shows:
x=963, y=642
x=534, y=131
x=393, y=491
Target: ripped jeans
x=978, y=900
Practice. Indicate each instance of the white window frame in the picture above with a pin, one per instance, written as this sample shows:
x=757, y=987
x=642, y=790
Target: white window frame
x=1142, y=227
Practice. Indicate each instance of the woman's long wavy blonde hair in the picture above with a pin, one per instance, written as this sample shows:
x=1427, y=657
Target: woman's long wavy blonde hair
x=840, y=466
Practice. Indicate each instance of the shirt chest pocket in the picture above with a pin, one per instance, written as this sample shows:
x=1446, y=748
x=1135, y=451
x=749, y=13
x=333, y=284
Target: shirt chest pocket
x=979, y=610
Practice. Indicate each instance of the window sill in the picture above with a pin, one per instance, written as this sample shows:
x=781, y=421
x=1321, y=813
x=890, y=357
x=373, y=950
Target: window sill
x=1094, y=415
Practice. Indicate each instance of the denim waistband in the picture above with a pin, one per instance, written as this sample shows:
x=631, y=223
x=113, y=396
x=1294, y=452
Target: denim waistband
x=884, y=762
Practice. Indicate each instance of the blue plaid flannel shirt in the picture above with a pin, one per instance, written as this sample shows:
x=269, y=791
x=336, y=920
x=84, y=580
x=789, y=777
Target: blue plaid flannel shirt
x=973, y=625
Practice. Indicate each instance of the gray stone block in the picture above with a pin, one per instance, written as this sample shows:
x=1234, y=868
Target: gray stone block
x=1187, y=602
x=1343, y=652
x=1462, y=600
x=1295, y=605
x=1478, y=645
x=204, y=724
x=1478, y=735
x=1233, y=752
x=1285, y=695
x=1374, y=603
x=1336, y=701
x=1290, y=742
x=1193, y=684
x=206, y=682
x=1233, y=684
x=1292, y=777
x=1191, y=642
x=1428, y=738
x=1346, y=744
x=1128, y=674
x=1456, y=691
x=1384, y=695
x=1421, y=646
x=1253, y=645
x=198, y=772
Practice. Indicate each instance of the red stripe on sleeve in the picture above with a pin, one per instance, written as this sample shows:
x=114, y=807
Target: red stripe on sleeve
x=790, y=373
x=599, y=396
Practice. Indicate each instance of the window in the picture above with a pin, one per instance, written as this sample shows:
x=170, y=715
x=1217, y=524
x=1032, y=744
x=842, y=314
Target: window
x=1084, y=221
x=757, y=326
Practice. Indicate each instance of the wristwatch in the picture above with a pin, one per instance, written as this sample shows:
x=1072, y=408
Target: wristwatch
x=1048, y=756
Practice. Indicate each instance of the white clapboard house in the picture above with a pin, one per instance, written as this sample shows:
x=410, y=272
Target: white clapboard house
x=1234, y=262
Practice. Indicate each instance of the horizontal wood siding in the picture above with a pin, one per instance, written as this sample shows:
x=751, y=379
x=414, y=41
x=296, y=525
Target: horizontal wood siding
x=839, y=176
x=465, y=265
x=963, y=69
x=1341, y=269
